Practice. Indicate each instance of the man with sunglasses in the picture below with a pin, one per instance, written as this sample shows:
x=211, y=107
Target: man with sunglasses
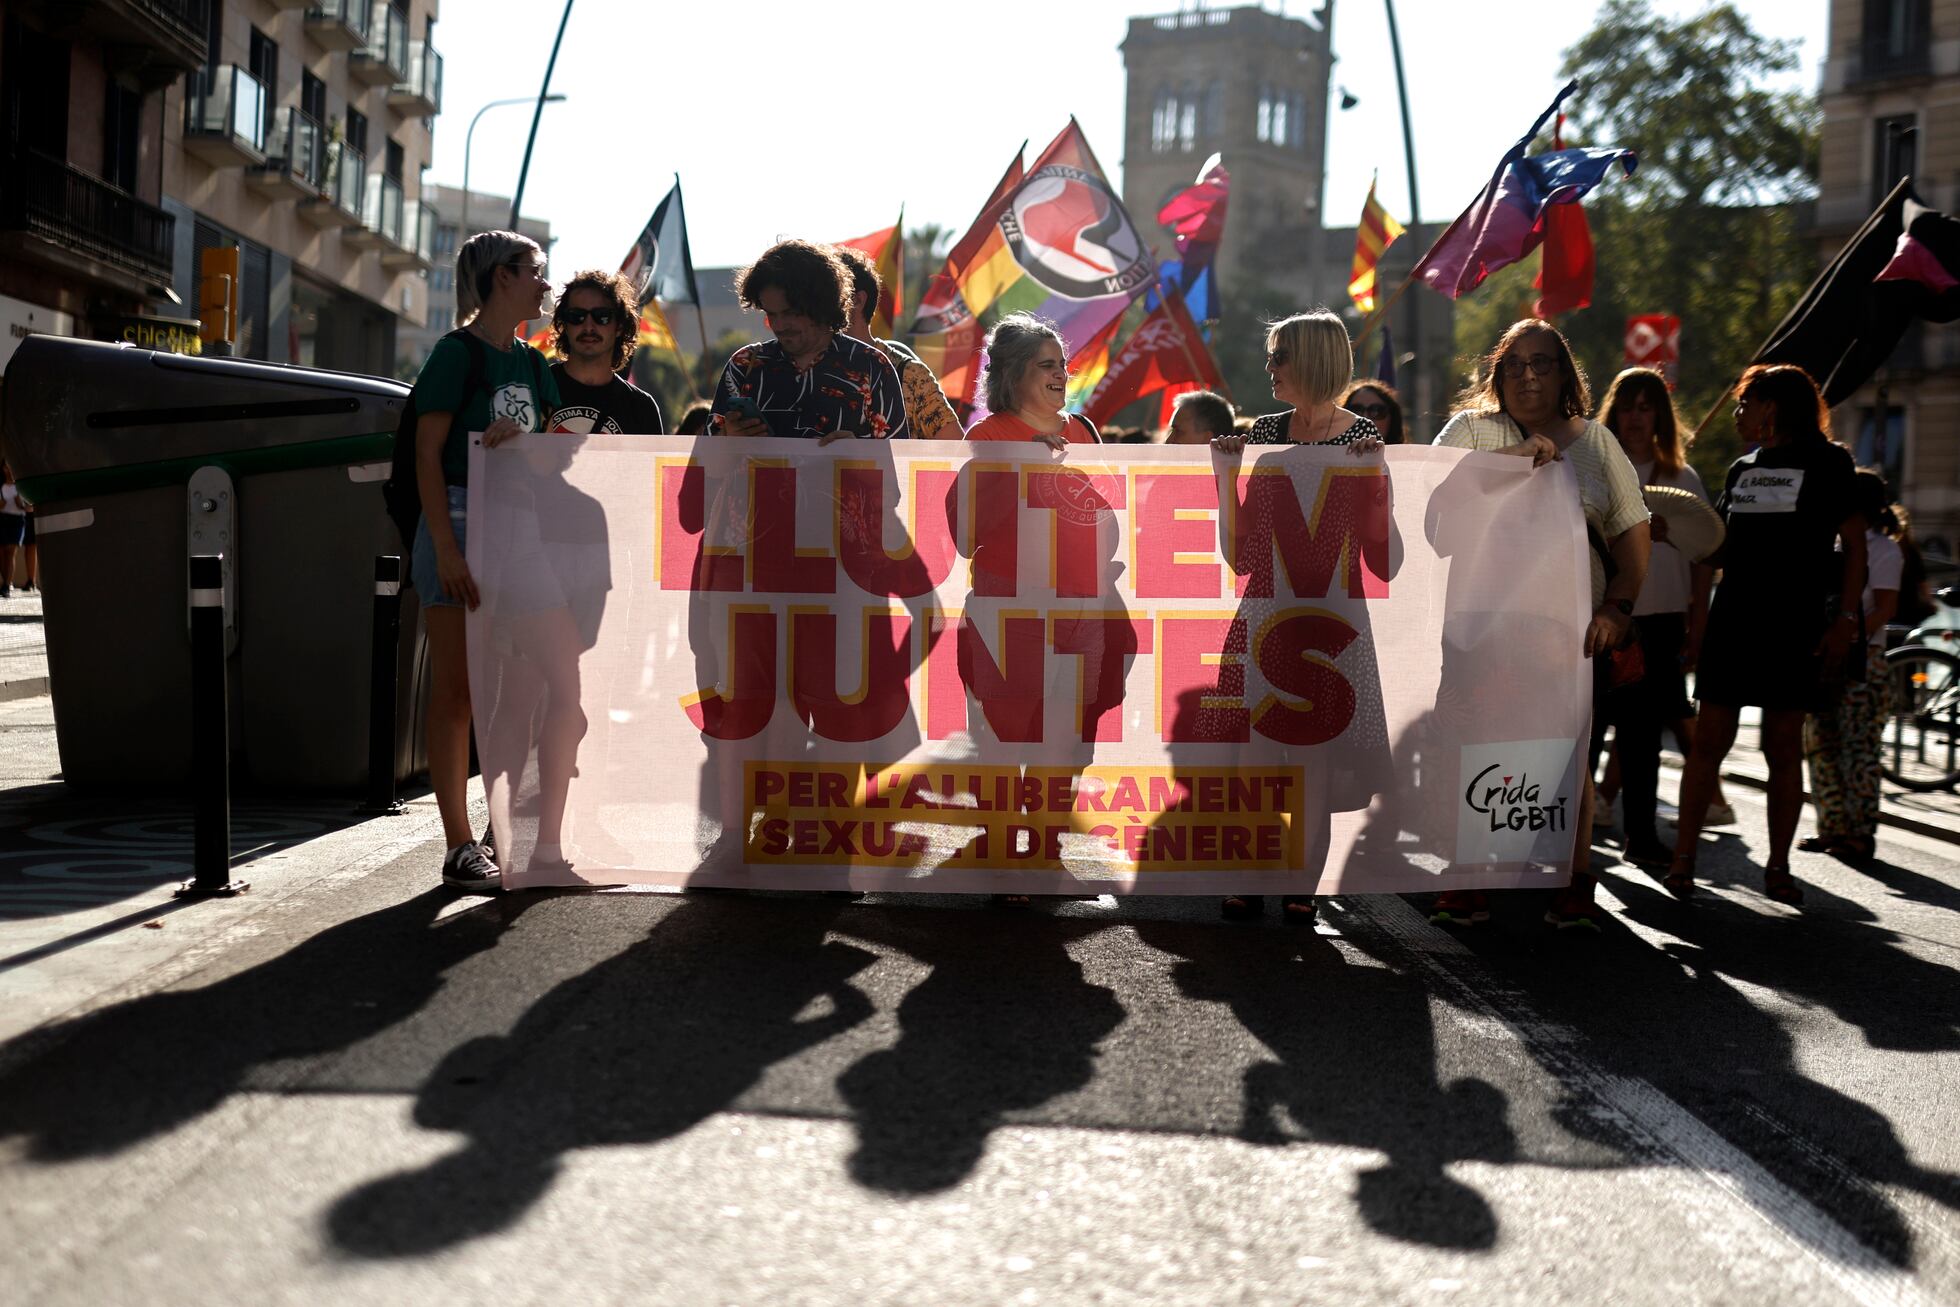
x=594, y=331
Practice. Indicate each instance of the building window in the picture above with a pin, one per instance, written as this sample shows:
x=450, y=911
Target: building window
x=1898, y=37
x=393, y=161
x=1882, y=442
x=1164, y=114
x=1895, y=150
x=357, y=131
x=34, y=83
x=313, y=97
x=1211, y=121
x=122, y=128
x=264, y=65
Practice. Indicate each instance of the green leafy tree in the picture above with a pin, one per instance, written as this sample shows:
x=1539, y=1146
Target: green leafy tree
x=1707, y=229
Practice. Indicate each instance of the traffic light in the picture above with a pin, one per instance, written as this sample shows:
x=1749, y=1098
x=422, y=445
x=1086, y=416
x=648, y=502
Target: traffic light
x=217, y=295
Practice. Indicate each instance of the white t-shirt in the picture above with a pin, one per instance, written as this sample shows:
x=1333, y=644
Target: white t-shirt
x=1885, y=563
x=1670, y=576
x=10, y=500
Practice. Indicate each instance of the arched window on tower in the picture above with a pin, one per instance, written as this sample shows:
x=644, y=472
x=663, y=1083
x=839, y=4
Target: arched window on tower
x=1211, y=122
x=1265, y=130
x=1187, y=122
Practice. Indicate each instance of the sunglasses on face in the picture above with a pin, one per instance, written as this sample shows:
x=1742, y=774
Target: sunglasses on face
x=573, y=317
x=1278, y=358
x=1540, y=364
x=1369, y=411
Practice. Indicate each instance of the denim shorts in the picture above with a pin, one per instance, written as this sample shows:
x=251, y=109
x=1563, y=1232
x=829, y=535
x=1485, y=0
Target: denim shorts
x=422, y=555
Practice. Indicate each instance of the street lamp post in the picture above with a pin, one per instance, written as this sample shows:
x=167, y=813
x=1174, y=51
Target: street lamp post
x=469, y=139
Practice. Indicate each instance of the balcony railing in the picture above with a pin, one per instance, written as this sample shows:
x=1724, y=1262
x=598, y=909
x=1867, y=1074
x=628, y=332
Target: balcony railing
x=154, y=41
x=339, y=24
x=418, y=238
x=1882, y=58
x=66, y=207
x=422, y=92
x=382, y=211
x=296, y=154
x=224, y=115
x=384, y=59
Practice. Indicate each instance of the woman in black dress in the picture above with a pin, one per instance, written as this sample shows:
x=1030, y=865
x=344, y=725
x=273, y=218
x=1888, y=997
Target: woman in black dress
x=1786, y=612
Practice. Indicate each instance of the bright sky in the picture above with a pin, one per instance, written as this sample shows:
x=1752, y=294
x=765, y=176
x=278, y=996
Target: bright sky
x=820, y=120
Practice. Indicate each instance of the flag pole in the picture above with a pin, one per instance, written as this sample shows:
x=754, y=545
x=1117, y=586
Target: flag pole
x=1380, y=315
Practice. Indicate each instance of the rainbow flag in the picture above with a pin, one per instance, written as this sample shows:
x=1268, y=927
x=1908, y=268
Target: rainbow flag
x=1058, y=244
x=1090, y=366
x=1375, y=233
x=887, y=249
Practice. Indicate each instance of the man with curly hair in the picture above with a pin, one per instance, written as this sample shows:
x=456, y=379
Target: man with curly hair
x=926, y=409
x=593, y=331
x=812, y=381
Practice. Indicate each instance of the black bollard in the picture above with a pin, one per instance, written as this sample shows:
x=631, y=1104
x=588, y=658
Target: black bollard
x=210, y=736
x=381, y=800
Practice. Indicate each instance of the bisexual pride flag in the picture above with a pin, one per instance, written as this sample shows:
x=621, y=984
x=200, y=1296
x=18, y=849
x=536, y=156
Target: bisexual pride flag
x=1507, y=220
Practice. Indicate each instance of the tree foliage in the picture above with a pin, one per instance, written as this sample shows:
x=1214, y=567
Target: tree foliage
x=1708, y=229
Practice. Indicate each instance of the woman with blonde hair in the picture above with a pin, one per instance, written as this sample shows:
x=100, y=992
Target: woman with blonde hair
x=480, y=377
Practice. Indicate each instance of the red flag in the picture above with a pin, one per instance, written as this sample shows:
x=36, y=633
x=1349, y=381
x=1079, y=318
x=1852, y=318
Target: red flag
x=1565, y=261
x=886, y=247
x=1165, y=351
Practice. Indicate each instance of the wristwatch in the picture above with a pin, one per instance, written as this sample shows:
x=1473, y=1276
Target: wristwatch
x=1624, y=605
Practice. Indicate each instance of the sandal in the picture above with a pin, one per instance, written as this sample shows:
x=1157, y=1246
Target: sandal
x=1854, y=849
x=1779, y=885
x=1299, y=909
x=1241, y=907
x=1818, y=843
x=1680, y=878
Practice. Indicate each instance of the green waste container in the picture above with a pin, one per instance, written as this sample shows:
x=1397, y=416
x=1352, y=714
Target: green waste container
x=134, y=460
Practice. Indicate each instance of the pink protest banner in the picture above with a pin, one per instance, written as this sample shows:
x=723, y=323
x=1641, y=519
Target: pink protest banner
x=988, y=668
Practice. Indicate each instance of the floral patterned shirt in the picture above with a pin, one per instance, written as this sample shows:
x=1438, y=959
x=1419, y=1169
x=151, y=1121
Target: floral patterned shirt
x=851, y=387
x=926, y=409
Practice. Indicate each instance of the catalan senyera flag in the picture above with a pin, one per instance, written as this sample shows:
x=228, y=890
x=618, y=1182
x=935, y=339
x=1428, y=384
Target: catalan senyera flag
x=540, y=339
x=1375, y=233
x=1060, y=245
x=887, y=250
x=654, y=327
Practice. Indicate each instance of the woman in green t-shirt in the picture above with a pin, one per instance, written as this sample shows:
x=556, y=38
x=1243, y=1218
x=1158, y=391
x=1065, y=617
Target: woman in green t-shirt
x=500, y=285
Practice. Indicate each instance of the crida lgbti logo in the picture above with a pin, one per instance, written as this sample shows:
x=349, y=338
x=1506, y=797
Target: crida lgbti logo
x=1517, y=802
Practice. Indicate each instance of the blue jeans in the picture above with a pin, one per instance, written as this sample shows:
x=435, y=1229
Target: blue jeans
x=422, y=555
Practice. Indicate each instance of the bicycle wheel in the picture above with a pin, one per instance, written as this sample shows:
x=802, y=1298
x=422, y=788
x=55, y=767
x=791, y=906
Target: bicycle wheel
x=1920, y=747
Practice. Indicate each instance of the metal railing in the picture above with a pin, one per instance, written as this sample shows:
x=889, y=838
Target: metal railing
x=382, y=211
x=350, y=14
x=387, y=40
x=68, y=207
x=225, y=102
x=186, y=19
x=1882, y=57
x=424, y=74
x=298, y=146
x=346, y=178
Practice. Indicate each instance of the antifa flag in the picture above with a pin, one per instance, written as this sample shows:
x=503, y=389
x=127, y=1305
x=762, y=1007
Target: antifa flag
x=1903, y=264
x=1061, y=246
x=659, y=264
x=1166, y=353
x=1507, y=220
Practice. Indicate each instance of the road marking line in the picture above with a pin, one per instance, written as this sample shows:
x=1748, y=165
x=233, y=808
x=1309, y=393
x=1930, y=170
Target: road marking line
x=1671, y=1133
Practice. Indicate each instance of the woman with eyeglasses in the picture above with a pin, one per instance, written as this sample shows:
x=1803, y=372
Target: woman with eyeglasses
x=480, y=377
x=1381, y=404
x=1531, y=402
x=1310, y=360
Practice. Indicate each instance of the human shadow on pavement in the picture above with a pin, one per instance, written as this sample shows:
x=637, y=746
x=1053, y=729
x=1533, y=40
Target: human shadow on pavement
x=1375, y=1023
x=1692, y=1031
x=638, y=1048
x=1001, y=1026
x=110, y=1080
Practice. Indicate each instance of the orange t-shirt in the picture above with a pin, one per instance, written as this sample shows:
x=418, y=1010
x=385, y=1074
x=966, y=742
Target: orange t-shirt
x=1005, y=426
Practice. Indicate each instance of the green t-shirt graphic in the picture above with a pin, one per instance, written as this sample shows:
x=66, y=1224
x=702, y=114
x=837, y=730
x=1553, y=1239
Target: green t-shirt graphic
x=516, y=384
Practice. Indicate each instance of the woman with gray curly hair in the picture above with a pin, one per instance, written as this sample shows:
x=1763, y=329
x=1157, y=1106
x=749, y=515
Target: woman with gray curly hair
x=1027, y=386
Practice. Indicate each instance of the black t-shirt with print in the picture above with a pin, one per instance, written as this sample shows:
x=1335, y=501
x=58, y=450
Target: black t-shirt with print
x=625, y=408
x=1783, y=505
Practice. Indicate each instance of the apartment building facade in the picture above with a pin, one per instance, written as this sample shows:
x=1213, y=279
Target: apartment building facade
x=1891, y=108
x=139, y=133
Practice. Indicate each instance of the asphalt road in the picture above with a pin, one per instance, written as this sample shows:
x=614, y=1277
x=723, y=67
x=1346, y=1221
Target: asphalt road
x=370, y=1090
